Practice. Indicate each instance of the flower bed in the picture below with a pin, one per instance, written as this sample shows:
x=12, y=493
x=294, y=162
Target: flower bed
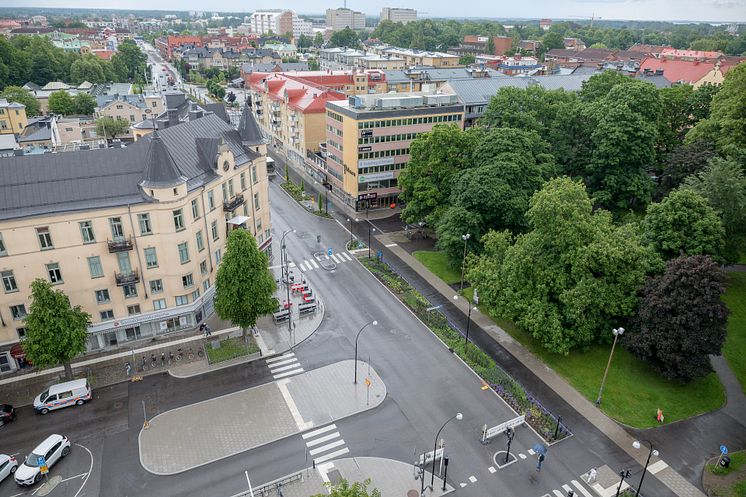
x=512, y=392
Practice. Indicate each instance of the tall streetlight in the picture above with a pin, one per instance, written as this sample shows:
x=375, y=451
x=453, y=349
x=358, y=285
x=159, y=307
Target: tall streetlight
x=468, y=319
x=374, y=323
x=349, y=220
x=465, y=238
x=636, y=444
x=284, y=256
x=369, y=239
x=459, y=417
x=616, y=332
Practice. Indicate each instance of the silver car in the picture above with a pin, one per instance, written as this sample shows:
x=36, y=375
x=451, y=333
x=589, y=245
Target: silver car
x=8, y=466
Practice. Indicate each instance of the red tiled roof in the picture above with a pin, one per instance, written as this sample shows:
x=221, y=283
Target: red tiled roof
x=651, y=49
x=673, y=53
x=104, y=54
x=302, y=96
x=688, y=71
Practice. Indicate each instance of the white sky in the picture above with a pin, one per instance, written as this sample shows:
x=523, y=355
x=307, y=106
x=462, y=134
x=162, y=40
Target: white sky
x=691, y=10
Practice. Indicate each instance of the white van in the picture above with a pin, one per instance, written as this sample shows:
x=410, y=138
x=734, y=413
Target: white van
x=75, y=392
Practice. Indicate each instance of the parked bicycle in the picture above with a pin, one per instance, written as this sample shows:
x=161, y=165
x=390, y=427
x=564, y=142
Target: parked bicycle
x=179, y=355
x=163, y=359
x=153, y=361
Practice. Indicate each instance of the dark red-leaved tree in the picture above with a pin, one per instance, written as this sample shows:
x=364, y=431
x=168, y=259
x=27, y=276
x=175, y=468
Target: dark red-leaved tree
x=681, y=318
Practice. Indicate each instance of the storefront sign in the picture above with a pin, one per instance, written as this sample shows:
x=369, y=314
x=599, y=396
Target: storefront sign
x=368, y=196
x=368, y=178
x=383, y=161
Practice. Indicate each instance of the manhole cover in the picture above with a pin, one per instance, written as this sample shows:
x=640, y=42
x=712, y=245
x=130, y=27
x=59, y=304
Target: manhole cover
x=413, y=493
x=118, y=405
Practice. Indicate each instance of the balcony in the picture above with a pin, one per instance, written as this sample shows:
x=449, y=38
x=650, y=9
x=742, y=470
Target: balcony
x=120, y=245
x=232, y=204
x=129, y=278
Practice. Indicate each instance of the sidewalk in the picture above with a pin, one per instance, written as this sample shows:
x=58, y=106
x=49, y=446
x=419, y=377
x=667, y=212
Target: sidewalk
x=670, y=478
x=180, y=439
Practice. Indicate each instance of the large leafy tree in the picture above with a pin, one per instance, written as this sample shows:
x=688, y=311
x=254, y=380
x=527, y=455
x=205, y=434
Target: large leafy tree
x=571, y=276
x=532, y=108
x=60, y=102
x=129, y=62
x=723, y=184
x=84, y=104
x=109, y=128
x=244, y=286
x=343, y=489
x=599, y=85
x=685, y=160
x=455, y=222
x=683, y=224
x=56, y=332
x=344, y=38
x=22, y=96
x=681, y=319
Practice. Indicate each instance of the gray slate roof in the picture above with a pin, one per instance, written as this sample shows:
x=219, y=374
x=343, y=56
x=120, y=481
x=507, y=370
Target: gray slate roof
x=160, y=168
x=274, y=67
x=217, y=109
x=248, y=129
x=481, y=90
x=136, y=100
x=42, y=184
x=400, y=76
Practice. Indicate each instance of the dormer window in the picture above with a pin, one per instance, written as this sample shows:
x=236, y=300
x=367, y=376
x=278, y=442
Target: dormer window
x=176, y=191
x=226, y=166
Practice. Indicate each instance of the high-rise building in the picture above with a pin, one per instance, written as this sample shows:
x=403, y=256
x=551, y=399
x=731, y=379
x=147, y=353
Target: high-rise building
x=338, y=19
x=394, y=14
x=279, y=22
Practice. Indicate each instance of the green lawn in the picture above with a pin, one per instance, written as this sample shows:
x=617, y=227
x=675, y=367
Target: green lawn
x=735, y=344
x=723, y=486
x=633, y=391
x=737, y=459
x=230, y=349
x=438, y=263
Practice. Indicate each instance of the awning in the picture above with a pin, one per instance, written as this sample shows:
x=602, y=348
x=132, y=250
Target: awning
x=238, y=220
x=16, y=351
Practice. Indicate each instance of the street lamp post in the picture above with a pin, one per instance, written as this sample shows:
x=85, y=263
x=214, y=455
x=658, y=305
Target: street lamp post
x=374, y=323
x=616, y=332
x=624, y=474
x=459, y=417
x=465, y=238
x=369, y=239
x=510, y=433
x=468, y=320
x=636, y=444
x=284, y=257
x=349, y=220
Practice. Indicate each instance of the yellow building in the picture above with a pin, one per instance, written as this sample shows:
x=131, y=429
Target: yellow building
x=12, y=117
x=133, y=235
x=368, y=139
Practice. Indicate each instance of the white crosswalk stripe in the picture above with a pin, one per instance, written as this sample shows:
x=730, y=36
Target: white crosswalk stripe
x=303, y=268
x=284, y=365
x=347, y=256
x=315, y=265
x=582, y=489
x=333, y=444
x=336, y=259
x=566, y=488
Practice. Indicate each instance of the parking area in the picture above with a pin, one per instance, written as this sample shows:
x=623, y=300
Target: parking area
x=72, y=472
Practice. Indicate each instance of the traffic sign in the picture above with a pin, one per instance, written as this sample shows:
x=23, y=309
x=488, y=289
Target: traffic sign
x=367, y=381
x=43, y=466
x=329, y=252
x=723, y=449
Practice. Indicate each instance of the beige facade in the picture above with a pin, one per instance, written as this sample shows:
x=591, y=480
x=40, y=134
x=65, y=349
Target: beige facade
x=142, y=269
x=12, y=117
x=339, y=19
x=76, y=129
x=126, y=110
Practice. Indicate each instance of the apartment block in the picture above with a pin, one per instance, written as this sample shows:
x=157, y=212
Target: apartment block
x=133, y=235
x=338, y=19
x=12, y=117
x=398, y=15
x=279, y=22
x=368, y=140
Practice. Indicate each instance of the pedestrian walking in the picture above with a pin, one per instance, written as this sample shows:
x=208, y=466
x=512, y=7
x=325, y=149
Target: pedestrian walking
x=208, y=331
x=592, y=475
x=541, y=460
x=128, y=369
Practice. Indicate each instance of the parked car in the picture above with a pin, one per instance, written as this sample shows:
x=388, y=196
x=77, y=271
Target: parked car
x=7, y=414
x=8, y=466
x=50, y=451
x=66, y=394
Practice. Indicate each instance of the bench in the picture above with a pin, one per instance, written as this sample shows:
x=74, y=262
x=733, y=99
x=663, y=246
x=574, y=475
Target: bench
x=307, y=308
x=281, y=316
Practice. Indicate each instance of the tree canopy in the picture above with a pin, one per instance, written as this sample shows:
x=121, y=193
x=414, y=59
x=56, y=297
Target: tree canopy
x=129, y=62
x=343, y=489
x=60, y=102
x=22, y=96
x=344, y=38
x=109, y=128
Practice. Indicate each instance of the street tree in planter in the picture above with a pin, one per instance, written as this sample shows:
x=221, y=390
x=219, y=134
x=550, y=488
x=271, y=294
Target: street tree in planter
x=681, y=319
x=56, y=332
x=244, y=286
x=343, y=489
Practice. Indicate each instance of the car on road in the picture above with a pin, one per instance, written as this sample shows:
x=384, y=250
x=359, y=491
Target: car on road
x=49, y=452
x=7, y=414
x=8, y=466
x=69, y=393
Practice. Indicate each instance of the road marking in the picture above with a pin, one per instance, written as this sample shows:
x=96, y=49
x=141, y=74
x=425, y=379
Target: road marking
x=582, y=489
x=558, y=493
x=282, y=363
x=313, y=433
x=315, y=265
x=288, y=373
x=90, y=468
x=522, y=456
x=302, y=267
x=492, y=469
x=462, y=485
x=326, y=447
x=531, y=452
x=390, y=245
x=328, y=457
x=566, y=487
x=657, y=466
x=284, y=368
x=323, y=439
x=282, y=386
x=279, y=358
x=334, y=258
x=347, y=256
x=81, y=475
x=472, y=479
x=292, y=264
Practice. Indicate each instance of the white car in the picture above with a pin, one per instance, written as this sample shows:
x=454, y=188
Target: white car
x=8, y=466
x=54, y=448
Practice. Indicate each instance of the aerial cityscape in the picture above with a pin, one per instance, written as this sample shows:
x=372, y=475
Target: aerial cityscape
x=373, y=249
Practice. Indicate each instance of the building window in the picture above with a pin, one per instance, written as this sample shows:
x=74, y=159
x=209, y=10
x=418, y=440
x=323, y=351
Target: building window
x=214, y=229
x=145, y=227
x=256, y=201
x=55, y=275
x=253, y=175
x=195, y=209
x=206, y=284
x=266, y=234
x=21, y=332
x=187, y=280
x=184, y=252
x=218, y=256
x=203, y=267
x=178, y=219
x=230, y=188
x=133, y=309
x=18, y=311
x=117, y=230
x=156, y=286
x=106, y=315
x=94, y=266
x=102, y=296
x=211, y=200
x=2, y=246
x=182, y=299
x=159, y=304
x=129, y=291
x=151, y=258
x=86, y=231
x=45, y=238
x=195, y=295
x=224, y=187
x=200, y=241
x=242, y=179
x=9, y=281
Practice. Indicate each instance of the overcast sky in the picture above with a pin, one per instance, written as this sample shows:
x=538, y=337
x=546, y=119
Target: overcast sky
x=694, y=10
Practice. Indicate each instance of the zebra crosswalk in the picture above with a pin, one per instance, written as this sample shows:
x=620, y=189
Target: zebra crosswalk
x=324, y=444
x=284, y=365
x=312, y=263
x=574, y=485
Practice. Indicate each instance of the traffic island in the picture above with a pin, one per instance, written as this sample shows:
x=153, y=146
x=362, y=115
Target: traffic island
x=722, y=479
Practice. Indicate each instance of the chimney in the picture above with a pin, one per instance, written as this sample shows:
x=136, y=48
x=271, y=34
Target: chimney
x=18, y=152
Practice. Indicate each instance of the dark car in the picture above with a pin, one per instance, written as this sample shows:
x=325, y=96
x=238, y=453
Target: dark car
x=7, y=414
